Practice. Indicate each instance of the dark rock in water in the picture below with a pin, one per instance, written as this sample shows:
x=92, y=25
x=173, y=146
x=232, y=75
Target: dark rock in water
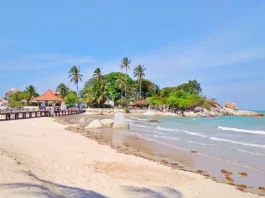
x=153, y=121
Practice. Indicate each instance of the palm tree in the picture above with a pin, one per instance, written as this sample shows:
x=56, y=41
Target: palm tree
x=139, y=73
x=97, y=74
x=63, y=90
x=31, y=92
x=75, y=76
x=125, y=64
x=122, y=81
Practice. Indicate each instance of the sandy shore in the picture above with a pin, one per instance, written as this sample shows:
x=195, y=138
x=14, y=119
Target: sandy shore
x=39, y=158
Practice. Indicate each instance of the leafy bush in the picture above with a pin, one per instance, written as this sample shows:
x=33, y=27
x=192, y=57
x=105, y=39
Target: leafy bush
x=14, y=104
x=71, y=98
x=127, y=110
x=140, y=103
x=206, y=104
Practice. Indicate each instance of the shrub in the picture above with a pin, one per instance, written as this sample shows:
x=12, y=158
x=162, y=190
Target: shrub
x=127, y=110
x=206, y=104
x=140, y=103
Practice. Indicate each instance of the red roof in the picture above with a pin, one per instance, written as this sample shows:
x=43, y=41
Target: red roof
x=48, y=96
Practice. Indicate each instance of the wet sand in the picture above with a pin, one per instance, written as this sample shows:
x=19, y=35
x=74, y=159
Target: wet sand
x=188, y=160
x=39, y=158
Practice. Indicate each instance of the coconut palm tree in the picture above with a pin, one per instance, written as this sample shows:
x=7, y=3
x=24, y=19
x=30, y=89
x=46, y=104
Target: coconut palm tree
x=139, y=73
x=122, y=81
x=97, y=74
x=125, y=63
x=63, y=90
x=31, y=92
x=75, y=76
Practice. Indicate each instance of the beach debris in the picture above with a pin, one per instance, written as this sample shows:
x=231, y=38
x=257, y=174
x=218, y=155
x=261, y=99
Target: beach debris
x=241, y=187
x=94, y=124
x=243, y=174
x=229, y=179
x=194, y=151
x=153, y=121
x=120, y=122
x=225, y=172
x=107, y=123
x=163, y=162
x=262, y=188
x=200, y=171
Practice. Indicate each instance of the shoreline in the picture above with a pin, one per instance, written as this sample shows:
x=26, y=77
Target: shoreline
x=186, y=114
x=126, y=149
x=43, y=158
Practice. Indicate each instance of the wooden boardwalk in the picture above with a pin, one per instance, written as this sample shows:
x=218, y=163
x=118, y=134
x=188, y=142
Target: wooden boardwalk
x=23, y=114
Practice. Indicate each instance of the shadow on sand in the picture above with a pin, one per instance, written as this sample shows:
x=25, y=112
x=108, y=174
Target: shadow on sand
x=157, y=192
x=43, y=188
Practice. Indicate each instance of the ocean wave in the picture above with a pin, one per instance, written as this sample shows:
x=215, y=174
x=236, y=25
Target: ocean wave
x=241, y=130
x=141, y=119
x=182, y=131
x=142, y=126
x=237, y=142
x=204, y=144
x=146, y=130
x=249, y=152
x=166, y=137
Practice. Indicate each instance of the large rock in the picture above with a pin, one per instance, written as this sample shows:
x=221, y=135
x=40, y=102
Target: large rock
x=11, y=92
x=200, y=110
x=231, y=105
x=190, y=114
x=107, y=123
x=120, y=122
x=94, y=125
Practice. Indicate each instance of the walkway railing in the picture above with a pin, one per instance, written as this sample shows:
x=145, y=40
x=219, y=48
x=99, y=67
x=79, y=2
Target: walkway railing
x=10, y=114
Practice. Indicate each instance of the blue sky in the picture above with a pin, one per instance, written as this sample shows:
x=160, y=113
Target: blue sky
x=219, y=43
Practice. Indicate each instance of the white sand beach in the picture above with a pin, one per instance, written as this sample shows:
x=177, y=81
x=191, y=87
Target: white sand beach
x=39, y=158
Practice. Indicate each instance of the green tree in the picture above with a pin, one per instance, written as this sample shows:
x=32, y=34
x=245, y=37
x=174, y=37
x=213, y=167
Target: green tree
x=97, y=74
x=192, y=87
x=63, y=90
x=139, y=73
x=75, y=76
x=125, y=63
x=114, y=85
x=122, y=82
x=71, y=98
x=31, y=93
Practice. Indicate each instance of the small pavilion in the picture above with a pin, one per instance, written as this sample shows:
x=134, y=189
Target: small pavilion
x=47, y=97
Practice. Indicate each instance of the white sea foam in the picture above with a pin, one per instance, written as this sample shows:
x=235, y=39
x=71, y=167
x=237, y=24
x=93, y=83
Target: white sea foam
x=142, y=126
x=241, y=130
x=182, y=131
x=166, y=137
x=249, y=152
x=204, y=144
x=237, y=142
x=141, y=119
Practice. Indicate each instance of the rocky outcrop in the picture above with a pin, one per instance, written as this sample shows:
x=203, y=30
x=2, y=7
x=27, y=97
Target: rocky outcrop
x=11, y=92
x=231, y=105
x=94, y=125
x=120, y=122
x=107, y=123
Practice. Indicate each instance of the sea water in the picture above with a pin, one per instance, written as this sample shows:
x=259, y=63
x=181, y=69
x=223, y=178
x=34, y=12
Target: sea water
x=236, y=139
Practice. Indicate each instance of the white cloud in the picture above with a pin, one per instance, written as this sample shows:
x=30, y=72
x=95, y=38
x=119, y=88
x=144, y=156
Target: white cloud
x=44, y=61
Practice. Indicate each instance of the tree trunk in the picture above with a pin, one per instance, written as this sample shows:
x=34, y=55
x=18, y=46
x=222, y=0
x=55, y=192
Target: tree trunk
x=125, y=86
x=140, y=90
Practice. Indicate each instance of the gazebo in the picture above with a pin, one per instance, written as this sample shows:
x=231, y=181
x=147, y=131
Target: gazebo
x=48, y=96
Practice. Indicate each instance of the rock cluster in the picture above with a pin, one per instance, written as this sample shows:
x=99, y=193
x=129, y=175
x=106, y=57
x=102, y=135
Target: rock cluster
x=11, y=92
x=230, y=105
x=119, y=122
